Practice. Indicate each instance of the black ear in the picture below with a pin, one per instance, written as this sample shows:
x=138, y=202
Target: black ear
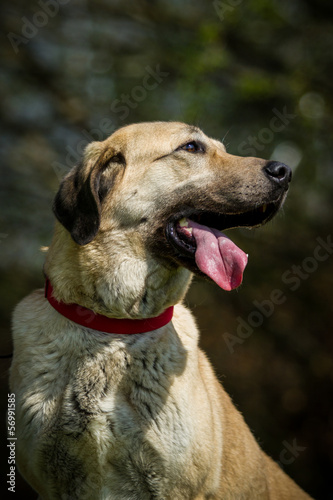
x=77, y=204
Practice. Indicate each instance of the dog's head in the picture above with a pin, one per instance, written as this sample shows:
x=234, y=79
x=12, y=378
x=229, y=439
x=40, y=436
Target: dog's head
x=168, y=190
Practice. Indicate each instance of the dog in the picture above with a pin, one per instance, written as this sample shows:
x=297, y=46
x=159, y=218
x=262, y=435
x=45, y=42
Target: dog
x=114, y=399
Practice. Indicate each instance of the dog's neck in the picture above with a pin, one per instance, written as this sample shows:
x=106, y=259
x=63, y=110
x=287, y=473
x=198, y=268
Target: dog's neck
x=122, y=283
x=86, y=317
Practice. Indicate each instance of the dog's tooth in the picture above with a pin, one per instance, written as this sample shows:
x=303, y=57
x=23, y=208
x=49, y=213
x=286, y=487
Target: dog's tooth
x=183, y=222
x=264, y=208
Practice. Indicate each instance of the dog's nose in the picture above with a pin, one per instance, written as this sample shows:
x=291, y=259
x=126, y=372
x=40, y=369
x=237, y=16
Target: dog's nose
x=278, y=172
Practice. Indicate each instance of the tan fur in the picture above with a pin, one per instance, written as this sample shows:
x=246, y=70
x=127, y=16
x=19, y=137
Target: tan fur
x=125, y=417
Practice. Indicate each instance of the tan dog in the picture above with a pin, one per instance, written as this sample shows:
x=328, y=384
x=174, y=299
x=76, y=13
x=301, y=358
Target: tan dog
x=104, y=416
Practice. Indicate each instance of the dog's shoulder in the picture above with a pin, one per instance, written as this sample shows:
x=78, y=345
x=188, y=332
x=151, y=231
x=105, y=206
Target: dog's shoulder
x=29, y=314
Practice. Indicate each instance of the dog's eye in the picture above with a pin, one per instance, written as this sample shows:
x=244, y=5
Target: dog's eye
x=192, y=147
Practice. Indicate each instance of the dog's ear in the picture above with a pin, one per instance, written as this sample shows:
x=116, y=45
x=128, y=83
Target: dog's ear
x=77, y=204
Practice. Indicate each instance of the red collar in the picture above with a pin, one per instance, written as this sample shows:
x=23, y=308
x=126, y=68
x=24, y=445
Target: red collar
x=86, y=317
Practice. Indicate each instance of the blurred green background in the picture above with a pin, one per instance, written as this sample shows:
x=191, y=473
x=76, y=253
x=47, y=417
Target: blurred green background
x=255, y=73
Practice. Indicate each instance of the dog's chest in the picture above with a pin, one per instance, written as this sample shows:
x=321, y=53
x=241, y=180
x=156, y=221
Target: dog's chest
x=124, y=422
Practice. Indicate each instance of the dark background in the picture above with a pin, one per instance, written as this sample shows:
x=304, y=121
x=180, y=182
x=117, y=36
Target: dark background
x=73, y=71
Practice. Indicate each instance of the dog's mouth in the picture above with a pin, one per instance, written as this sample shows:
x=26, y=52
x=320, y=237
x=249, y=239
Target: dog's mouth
x=202, y=247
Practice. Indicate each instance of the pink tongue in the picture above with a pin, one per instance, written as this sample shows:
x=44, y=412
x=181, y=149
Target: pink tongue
x=218, y=257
